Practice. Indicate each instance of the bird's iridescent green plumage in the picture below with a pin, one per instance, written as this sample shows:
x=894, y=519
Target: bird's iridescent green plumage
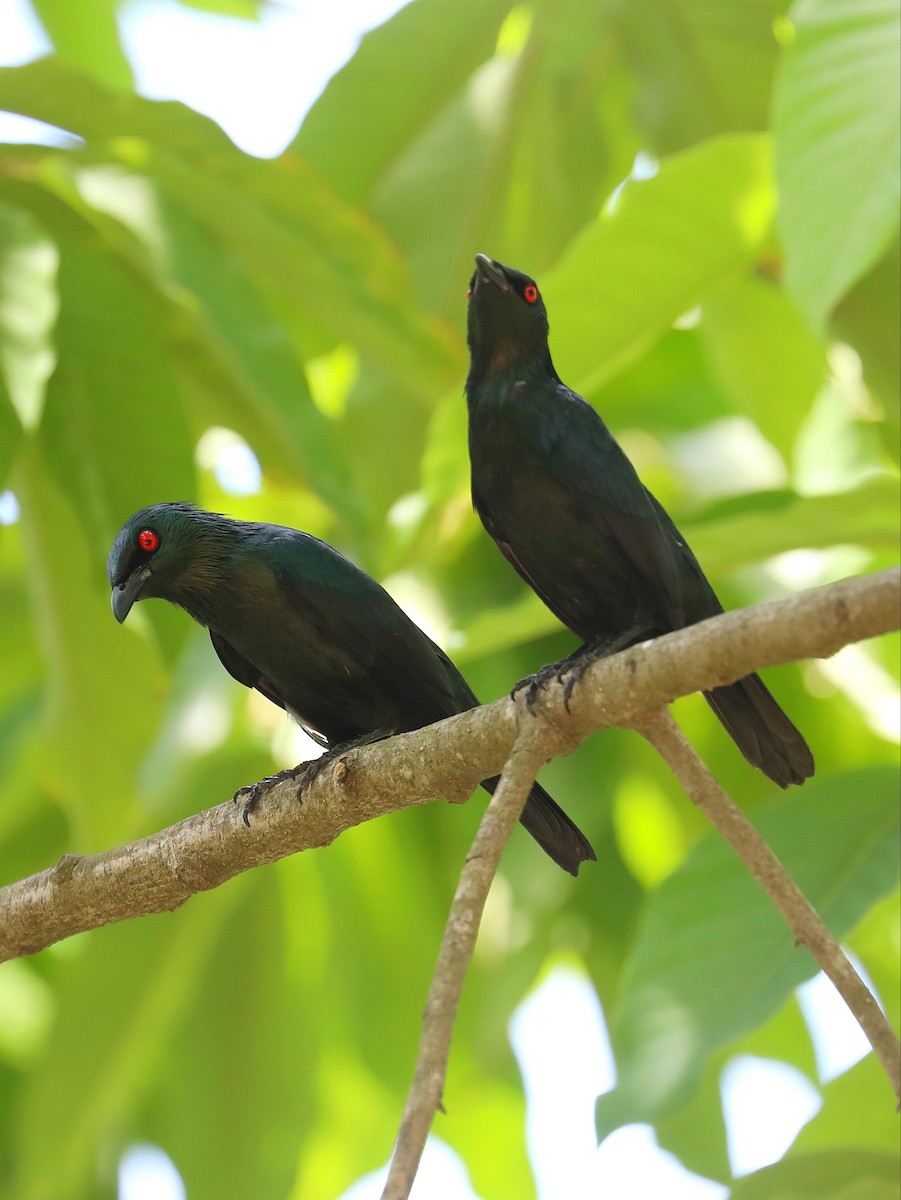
x=293, y=618
x=567, y=509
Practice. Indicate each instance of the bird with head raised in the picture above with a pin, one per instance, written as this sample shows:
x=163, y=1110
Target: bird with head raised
x=290, y=616
x=566, y=508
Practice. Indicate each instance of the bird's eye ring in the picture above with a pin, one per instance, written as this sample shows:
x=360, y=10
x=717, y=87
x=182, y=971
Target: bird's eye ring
x=148, y=540
x=530, y=293
x=468, y=293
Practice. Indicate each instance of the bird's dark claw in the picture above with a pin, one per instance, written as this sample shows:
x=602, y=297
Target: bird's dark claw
x=253, y=793
x=533, y=684
x=303, y=774
x=569, y=670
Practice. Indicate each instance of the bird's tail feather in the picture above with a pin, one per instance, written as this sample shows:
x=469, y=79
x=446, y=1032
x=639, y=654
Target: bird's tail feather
x=552, y=829
x=762, y=731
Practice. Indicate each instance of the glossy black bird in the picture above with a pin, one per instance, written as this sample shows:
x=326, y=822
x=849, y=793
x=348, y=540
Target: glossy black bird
x=568, y=511
x=290, y=616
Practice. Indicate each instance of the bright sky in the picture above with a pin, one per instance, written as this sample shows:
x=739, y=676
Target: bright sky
x=257, y=81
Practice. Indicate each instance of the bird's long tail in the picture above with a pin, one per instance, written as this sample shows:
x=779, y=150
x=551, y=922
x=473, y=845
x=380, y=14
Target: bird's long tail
x=762, y=731
x=552, y=829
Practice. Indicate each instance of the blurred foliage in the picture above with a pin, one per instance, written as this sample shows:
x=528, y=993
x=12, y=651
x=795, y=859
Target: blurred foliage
x=159, y=288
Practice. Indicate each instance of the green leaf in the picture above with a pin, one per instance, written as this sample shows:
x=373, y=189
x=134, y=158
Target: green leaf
x=838, y=839
x=238, y=1051
x=96, y=676
x=876, y=941
x=268, y=402
x=772, y=523
x=323, y=264
x=670, y=243
x=829, y=1175
x=838, y=145
x=858, y=1110
x=88, y=1084
x=353, y=140
x=764, y=357
x=320, y=261
x=522, y=175
x=117, y=398
x=51, y=89
x=10, y=433
x=28, y=304
x=703, y=68
x=249, y=10
x=869, y=320
x=695, y=1131
x=86, y=35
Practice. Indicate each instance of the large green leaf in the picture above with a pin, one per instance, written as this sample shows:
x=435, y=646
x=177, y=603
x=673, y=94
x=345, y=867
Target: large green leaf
x=857, y=1111
x=318, y=257
x=353, y=140
x=86, y=35
x=669, y=243
x=88, y=1085
x=829, y=1175
x=242, y=1047
x=10, y=432
x=320, y=260
x=759, y=526
x=116, y=398
x=869, y=319
x=96, y=677
x=269, y=401
x=28, y=304
x=53, y=90
x=703, y=67
x=702, y=973
x=764, y=356
x=248, y=9
x=696, y=1131
x=520, y=176
x=838, y=145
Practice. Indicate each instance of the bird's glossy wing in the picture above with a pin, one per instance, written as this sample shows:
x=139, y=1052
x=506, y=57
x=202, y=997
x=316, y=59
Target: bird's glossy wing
x=699, y=600
x=244, y=671
x=371, y=634
x=634, y=540
x=547, y=595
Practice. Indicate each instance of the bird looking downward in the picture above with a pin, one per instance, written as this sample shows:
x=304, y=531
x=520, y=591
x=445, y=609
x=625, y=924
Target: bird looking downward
x=567, y=510
x=290, y=616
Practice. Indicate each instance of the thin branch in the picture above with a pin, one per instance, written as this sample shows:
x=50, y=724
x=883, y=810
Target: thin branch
x=802, y=919
x=424, y=1097
x=160, y=872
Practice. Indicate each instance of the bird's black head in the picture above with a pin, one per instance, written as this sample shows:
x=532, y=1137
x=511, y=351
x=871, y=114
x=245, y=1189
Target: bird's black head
x=506, y=322
x=167, y=550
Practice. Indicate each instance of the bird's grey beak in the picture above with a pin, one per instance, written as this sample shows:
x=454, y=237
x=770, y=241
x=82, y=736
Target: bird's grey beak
x=125, y=594
x=487, y=268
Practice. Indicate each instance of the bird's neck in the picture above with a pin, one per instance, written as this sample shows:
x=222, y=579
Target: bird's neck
x=500, y=369
x=205, y=584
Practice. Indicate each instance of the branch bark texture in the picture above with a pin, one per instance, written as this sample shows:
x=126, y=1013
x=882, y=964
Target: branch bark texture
x=160, y=872
x=457, y=944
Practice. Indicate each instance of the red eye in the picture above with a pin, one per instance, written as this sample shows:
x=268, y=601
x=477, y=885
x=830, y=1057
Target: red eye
x=468, y=293
x=148, y=540
x=530, y=294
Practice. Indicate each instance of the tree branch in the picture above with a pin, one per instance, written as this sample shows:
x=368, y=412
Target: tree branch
x=160, y=872
x=424, y=1097
x=802, y=919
